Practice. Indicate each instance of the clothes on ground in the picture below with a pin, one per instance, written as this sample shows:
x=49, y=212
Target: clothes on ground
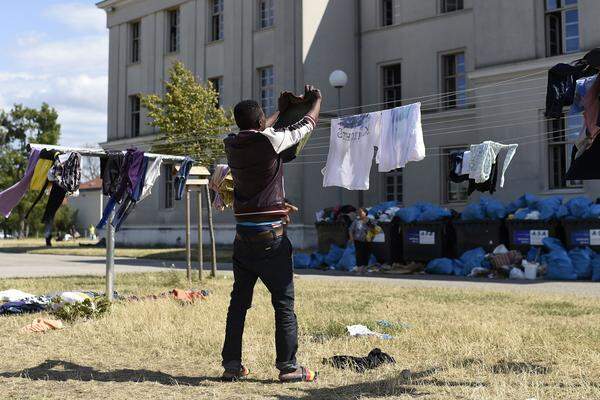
x=29, y=305
x=10, y=197
x=361, y=330
x=42, y=325
x=485, y=155
x=513, y=257
x=14, y=295
x=182, y=176
x=397, y=133
x=374, y=359
x=221, y=182
x=257, y=169
x=189, y=296
x=401, y=138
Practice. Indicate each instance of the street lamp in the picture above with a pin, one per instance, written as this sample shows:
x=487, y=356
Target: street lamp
x=338, y=79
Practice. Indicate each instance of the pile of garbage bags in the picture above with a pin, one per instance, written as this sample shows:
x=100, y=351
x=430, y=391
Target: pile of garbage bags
x=338, y=258
x=486, y=209
x=345, y=213
x=555, y=263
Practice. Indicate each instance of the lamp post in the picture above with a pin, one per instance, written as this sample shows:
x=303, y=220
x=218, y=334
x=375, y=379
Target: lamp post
x=338, y=79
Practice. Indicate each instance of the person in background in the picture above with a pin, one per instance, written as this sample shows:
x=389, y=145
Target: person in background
x=261, y=249
x=358, y=234
x=92, y=231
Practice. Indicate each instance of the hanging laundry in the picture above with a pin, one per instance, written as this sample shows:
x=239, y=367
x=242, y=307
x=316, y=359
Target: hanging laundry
x=130, y=173
x=181, y=177
x=39, y=181
x=591, y=113
x=351, y=148
x=466, y=163
x=131, y=199
x=562, y=80
x=401, y=139
x=10, y=197
x=221, y=182
x=65, y=176
x=483, y=157
x=152, y=175
x=457, y=160
x=110, y=168
x=487, y=186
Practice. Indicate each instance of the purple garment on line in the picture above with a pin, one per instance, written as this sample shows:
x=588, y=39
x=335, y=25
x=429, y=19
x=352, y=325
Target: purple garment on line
x=13, y=195
x=130, y=173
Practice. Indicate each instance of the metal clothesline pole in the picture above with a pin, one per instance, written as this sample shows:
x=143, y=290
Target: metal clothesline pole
x=110, y=230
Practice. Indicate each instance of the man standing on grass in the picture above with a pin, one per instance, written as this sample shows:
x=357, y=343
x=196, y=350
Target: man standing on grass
x=261, y=248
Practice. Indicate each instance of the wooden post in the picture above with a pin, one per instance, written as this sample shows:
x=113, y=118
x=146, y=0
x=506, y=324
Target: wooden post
x=200, y=227
x=188, y=239
x=213, y=249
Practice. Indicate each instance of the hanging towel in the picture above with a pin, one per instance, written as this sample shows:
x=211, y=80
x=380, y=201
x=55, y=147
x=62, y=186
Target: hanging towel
x=152, y=174
x=221, y=182
x=466, y=166
x=10, y=197
x=483, y=157
x=351, y=147
x=401, y=138
x=181, y=177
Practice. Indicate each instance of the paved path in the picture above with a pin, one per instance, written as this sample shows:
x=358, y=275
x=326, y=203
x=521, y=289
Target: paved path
x=38, y=265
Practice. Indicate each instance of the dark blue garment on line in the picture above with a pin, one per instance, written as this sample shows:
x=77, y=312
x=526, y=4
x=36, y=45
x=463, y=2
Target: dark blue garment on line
x=182, y=176
x=108, y=209
x=131, y=199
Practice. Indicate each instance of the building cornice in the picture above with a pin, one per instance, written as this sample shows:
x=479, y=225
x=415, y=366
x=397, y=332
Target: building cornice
x=112, y=3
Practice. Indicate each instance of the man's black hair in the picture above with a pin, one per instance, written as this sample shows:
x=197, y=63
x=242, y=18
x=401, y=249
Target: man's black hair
x=248, y=114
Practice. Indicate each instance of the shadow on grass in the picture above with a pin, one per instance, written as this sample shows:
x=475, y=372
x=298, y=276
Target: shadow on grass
x=61, y=371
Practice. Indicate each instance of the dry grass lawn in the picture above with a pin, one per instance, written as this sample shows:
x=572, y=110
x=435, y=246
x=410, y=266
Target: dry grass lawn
x=462, y=345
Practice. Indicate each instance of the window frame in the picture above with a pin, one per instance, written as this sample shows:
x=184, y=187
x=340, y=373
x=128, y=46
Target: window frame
x=395, y=87
x=169, y=188
x=135, y=42
x=446, y=183
x=269, y=15
x=560, y=135
x=559, y=14
x=217, y=19
x=385, y=19
x=263, y=89
x=453, y=99
x=217, y=84
x=135, y=118
x=445, y=8
x=173, y=31
x=397, y=185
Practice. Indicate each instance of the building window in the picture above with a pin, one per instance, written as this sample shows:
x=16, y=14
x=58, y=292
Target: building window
x=561, y=136
x=134, y=110
x=217, y=85
x=169, y=187
x=451, y=5
x=454, y=80
x=562, y=27
x=387, y=12
x=393, y=186
x=216, y=20
x=135, y=41
x=173, y=25
x=453, y=192
x=392, y=85
x=266, y=14
x=266, y=78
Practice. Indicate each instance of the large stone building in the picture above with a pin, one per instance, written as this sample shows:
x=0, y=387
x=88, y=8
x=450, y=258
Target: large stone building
x=487, y=59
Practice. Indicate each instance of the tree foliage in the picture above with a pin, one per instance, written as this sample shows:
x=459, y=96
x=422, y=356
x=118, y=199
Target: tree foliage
x=19, y=126
x=188, y=116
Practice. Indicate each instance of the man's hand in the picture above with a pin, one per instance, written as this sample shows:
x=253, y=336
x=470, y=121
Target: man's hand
x=291, y=208
x=312, y=93
x=283, y=103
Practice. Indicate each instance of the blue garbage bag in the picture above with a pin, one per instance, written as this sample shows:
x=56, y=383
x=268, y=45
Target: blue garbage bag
x=348, y=259
x=578, y=207
x=549, y=208
x=441, y=266
x=493, y=208
x=334, y=255
x=522, y=213
x=553, y=244
x=534, y=254
x=408, y=214
x=581, y=258
x=593, y=212
x=596, y=268
x=380, y=208
x=432, y=212
x=562, y=212
x=525, y=201
x=472, y=259
x=473, y=212
x=316, y=260
x=301, y=261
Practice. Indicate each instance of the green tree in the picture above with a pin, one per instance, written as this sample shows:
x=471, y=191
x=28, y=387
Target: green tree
x=188, y=116
x=19, y=126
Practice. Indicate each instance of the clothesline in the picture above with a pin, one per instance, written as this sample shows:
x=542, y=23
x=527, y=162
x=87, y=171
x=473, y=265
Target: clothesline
x=97, y=152
x=493, y=85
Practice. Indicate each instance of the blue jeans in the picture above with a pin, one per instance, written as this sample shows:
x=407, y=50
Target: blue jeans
x=271, y=261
